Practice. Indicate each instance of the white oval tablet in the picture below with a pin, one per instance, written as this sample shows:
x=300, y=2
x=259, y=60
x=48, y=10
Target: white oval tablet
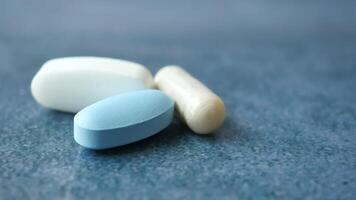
x=72, y=83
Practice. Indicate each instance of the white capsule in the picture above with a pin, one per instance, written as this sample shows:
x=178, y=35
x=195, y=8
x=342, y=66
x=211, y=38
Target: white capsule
x=201, y=109
x=72, y=83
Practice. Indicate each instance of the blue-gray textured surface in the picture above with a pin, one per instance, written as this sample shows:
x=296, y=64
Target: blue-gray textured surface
x=285, y=69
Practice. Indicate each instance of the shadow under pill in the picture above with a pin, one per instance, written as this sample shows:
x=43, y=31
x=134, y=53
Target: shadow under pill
x=54, y=114
x=170, y=136
x=54, y=120
x=175, y=134
x=228, y=131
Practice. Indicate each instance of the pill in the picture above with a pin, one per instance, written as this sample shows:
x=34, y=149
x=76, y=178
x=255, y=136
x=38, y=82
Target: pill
x=72, y=83
x=123, y=119
x=201, y=109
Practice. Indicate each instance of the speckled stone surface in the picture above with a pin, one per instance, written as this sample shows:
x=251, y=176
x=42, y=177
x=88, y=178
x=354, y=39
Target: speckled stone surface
x=288, y=80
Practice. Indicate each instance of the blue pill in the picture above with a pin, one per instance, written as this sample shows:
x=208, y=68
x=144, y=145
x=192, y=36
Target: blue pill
x=123, y=119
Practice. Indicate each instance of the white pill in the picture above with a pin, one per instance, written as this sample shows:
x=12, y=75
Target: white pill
x=72, y=83
x=201, y=109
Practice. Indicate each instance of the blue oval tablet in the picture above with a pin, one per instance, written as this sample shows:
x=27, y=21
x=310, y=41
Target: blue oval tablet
x=123, y=119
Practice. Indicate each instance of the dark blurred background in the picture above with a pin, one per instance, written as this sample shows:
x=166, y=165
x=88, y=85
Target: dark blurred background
x=186, y=20
x=286, y=70
x=91, y=25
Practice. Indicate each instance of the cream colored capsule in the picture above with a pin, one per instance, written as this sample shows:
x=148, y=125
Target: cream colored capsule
x=201, y=109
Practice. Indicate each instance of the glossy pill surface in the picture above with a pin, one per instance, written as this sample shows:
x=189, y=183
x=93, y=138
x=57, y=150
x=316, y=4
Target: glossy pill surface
x=72, y=83
x=123, y=119
x=201, y=109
